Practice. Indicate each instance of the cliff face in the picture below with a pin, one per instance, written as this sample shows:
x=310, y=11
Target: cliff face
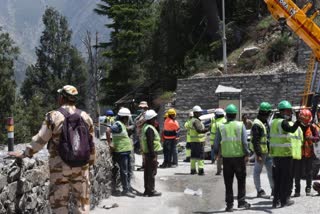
x=23, y=20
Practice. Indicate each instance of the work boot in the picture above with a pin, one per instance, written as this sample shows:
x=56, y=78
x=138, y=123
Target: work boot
x=193, y=172
x=213, y=161
x=261, y=193
x=287, y=203
x=296, y=194
x=218, y=173
x=229, y=208
x=164, y=165
x=140, y=168
x=244, y=204
x=174, y=166
x=275, y=204
x=308, y=191
x=187, y=160
x=128, y=194
x=201, y=172
x=154, y=194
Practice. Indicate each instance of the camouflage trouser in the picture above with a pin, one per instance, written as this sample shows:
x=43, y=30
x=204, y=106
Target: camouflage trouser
x=65, y=180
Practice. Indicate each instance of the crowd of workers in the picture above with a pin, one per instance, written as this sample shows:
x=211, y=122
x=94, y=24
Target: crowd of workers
x=284, y=147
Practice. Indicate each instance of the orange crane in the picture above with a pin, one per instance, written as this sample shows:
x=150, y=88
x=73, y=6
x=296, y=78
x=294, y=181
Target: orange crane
x=306, y=29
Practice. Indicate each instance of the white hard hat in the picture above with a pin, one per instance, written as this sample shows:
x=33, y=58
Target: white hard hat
x=220, y=111
x=125, y=112
x=190, y=114
x=150, y=114
x=197, y=109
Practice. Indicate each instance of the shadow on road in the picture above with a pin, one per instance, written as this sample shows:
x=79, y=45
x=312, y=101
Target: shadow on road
x=180, y=173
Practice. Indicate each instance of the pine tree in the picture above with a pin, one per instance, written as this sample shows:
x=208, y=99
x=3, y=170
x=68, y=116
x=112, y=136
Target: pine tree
x=131, y=21
x=58, y=63
x=8, y=54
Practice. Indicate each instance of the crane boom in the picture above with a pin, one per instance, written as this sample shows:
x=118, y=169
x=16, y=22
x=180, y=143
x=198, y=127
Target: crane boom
x=298, y=21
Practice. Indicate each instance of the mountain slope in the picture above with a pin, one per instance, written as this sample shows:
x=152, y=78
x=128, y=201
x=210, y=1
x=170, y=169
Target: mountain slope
x=23, y=20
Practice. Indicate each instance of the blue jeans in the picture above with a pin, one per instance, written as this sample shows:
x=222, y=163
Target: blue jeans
x=124, y=161
x=267, y=161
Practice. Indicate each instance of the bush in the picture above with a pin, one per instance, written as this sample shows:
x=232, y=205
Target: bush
x=278, y=47
x=265, y=23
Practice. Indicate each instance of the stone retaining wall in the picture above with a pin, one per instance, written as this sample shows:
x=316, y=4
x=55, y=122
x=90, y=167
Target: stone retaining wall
x=24, y=184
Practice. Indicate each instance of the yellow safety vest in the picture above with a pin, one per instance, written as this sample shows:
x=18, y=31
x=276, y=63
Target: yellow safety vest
x=196, y=137
x=280, y=141
x=296, y=141
x=121, y=141
x=231, y=142
x=214, y=125
x=187, y=126
x=156, y=141
x=263, y=139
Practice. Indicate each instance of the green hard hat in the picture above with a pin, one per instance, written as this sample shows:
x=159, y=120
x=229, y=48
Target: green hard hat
x=265, y=106
x=231, y=109
x=284, y=104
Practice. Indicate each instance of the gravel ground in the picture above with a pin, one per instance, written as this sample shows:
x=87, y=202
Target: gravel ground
x=173, y=181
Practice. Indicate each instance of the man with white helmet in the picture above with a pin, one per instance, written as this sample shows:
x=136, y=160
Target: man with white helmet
x=150, y=145
x=122, y=146
x=187, y=127
x=197, y=141
x=219, y=118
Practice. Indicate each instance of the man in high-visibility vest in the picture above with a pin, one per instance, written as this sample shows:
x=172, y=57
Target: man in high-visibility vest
x=171, y=131
x=219, y=117
x=231, y=139
x=260, y=133
x=187, y=127
x=310, y=135
x=197, y=141
x=281, y=150
x=150, y=145
x=122, y=146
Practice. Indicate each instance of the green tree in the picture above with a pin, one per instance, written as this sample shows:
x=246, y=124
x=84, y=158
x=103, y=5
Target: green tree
x=131, y=21
x=8, y=55
x=58, y=63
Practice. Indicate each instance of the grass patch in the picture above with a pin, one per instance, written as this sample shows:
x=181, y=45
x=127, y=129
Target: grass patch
x=167, y=95
x=265, y=23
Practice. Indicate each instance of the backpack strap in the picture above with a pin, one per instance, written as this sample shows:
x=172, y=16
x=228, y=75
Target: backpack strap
x=63, y=111
x=78, y=111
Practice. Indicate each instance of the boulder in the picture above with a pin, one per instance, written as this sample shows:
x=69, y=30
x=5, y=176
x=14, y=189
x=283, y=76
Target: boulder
x=249, y=52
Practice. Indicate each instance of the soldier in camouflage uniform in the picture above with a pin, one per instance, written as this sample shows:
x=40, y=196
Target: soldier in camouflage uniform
x=63, y=178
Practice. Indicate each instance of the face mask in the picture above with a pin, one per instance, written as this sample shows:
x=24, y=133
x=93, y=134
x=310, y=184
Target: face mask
x=287, y=117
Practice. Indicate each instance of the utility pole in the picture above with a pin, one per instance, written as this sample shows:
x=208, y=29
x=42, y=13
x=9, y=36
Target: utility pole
x=224, y=38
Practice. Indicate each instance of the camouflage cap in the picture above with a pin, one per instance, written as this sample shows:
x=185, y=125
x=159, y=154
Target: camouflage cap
x=68, y=90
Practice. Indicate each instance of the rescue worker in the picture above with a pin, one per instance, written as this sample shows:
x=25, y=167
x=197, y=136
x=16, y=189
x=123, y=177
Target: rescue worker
x=219, y=118
x=122, y=146
x=187, y=127
x=281, y=151
x=231, y=139
x=109, y=118
x=310, y=135
x=197, y=141
x=138, y=123
x=247, y=122
x=260, y=133
x=171, y=131
x=63, y=178
x=151, y=146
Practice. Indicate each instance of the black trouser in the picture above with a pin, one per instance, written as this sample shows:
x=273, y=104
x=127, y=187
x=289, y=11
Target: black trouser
x=150, y=171
x=124, y=162
x=282, y=174
x=231, y=167
x=170, y=152
x=302, y=167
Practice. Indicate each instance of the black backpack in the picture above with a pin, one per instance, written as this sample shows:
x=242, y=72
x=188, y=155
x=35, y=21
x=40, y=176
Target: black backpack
x=76, y=143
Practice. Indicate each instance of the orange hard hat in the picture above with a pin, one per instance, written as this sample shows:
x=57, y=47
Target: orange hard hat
x=305, y=116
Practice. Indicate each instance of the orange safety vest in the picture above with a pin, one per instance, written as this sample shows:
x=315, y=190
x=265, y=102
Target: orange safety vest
x=307, y=147
x=171, y=129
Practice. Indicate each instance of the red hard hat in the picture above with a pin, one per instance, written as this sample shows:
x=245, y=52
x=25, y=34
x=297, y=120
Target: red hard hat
x=305, y=116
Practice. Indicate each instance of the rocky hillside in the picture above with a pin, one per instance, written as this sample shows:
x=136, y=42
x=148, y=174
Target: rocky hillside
x=22, y=19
